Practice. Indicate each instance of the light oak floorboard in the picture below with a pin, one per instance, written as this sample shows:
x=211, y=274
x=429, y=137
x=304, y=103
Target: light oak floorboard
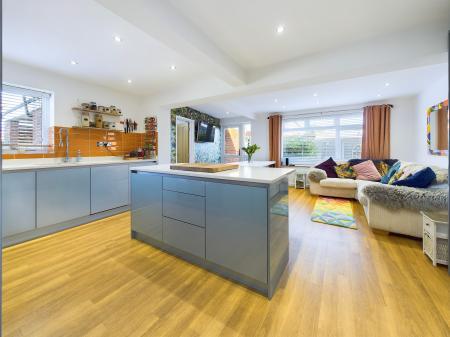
x=94, y=280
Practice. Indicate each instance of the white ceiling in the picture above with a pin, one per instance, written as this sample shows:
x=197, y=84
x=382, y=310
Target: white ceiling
x=246, y=29
x=50, y=33
x=230, y=43
x=353, y=91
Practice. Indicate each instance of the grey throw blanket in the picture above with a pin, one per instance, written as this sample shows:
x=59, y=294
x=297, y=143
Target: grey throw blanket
x=396, y=197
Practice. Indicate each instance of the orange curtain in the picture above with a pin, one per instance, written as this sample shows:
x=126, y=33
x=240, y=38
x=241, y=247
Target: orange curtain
x=275, y=139
x=376, y=137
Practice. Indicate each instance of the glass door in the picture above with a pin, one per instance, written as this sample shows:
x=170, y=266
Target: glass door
x=234, y=138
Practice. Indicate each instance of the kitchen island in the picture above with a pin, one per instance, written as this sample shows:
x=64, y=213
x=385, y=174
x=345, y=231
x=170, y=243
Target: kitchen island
x=234, y=223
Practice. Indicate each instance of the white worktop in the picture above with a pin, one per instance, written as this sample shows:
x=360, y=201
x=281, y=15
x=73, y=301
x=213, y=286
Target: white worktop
x=257, y=163
x=46, y=163
x=245, y=173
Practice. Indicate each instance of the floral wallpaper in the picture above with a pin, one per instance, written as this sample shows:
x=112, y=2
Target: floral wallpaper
x=204, y=152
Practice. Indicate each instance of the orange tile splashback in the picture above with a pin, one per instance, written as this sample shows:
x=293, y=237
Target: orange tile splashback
x=86, y=140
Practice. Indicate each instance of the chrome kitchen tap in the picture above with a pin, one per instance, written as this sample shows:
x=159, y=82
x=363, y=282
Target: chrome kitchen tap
x=61, y=143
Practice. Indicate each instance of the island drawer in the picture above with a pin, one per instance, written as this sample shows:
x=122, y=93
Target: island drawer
x=184, y=207
x=183, y=185
x=184, y=236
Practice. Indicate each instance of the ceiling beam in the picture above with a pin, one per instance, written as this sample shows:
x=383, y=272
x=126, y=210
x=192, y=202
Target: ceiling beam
x=163, y=22
x=410, y=49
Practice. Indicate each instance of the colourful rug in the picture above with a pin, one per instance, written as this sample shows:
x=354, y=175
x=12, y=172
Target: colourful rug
x=334, y=211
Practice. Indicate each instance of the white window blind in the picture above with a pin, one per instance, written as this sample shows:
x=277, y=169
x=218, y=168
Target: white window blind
x=25, y=119
x=313, y=138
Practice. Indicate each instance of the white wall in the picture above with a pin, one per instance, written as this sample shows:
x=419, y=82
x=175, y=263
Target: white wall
x=152, y=107
x=70, y=92
x=403, y=127
x=436, y=92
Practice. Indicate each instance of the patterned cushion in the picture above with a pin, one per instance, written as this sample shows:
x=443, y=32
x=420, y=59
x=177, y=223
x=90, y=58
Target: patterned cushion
x=367, y=171
x=382, y=167
x=392, y=171
x=395, y=177
x=411, y=169
x=345, y=171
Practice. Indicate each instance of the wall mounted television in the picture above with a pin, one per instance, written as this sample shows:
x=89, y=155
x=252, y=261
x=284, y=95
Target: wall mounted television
x=204, y=132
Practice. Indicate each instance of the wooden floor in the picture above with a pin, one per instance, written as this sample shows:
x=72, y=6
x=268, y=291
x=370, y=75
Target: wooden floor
x=95, y=281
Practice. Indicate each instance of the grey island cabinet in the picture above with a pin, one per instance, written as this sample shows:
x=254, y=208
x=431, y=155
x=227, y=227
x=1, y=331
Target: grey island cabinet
x=234, y=223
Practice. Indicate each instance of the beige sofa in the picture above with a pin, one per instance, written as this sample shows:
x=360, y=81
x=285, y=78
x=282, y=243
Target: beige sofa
x=403, y=221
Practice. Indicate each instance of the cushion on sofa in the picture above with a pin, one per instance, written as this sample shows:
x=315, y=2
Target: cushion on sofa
x=405, y=170
x=411, y=169
x=421, y=179
x=441, y=174
x=366, y=171
x=392, y=170
x=345, y=171
x=382, y=167
x=339, y=183
x=389, y=162
x=328, y=166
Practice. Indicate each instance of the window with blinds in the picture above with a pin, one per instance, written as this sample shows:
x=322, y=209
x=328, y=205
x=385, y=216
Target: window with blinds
x=25, y=119
x=313, y=138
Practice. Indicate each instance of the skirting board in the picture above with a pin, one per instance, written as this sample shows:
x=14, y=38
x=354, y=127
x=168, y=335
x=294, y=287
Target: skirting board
x=43, y=231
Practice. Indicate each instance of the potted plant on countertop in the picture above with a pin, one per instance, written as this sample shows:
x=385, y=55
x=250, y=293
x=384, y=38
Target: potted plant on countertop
x=250, y=150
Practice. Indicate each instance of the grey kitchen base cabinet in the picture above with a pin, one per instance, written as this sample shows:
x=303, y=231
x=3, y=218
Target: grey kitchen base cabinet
x=18, y=202
x=236, y=228
x=109, y=187
x=244, y=235
x=62, y=195
x=146, y=205
x=39, y=202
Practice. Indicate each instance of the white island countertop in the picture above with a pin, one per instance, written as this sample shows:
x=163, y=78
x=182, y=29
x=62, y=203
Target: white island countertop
x=251, y=174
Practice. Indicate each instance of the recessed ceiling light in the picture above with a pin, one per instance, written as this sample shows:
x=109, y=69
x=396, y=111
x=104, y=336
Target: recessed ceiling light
x=227, y=112
x=173, y=67
x=130, y=81
x=284, y=106
x=117, y=38
x=387, y=84
x=315, y=94
x=280, y=29
x=378, y=95
x=276, y=100
x=73, y=62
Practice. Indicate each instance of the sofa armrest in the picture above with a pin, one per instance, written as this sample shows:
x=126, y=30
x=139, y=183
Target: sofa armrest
x=316, y=175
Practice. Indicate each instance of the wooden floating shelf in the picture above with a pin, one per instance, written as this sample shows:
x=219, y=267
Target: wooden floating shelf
x=94, y=128
x=97, y=112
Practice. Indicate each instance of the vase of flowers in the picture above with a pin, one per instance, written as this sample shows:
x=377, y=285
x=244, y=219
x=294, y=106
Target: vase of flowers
x=250, y=150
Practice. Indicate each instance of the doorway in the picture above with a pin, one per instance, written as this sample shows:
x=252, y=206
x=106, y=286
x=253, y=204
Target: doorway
x=234, y=138
x=184, y=140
